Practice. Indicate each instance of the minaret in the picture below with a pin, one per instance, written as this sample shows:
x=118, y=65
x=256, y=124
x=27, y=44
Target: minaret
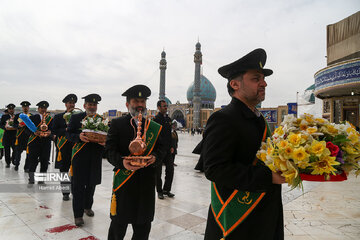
x=162, y=76
x=196, y=98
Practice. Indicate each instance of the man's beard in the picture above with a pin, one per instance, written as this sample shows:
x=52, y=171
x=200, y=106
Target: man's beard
x=135, y=111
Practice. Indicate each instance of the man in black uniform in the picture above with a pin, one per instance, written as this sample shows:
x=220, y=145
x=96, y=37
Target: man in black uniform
x=39, y=143
x=22, y=137
x=163, y=119
x=86, y=161
x=63, y=146
x=7, y=123
x=133, y=200
x=241, y=185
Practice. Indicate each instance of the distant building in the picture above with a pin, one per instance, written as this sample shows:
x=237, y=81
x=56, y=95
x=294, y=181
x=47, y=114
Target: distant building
x=201, y=96
x=338, y=84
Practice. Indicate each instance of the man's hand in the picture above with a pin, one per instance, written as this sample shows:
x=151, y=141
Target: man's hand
x=37, y=133
x=172, y=150
x=151, y=160
x=277, y=178
x=102, y=144
x=128, y=166
x=83, y=137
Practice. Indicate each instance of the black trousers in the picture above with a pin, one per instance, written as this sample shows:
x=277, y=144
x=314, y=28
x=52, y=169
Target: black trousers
x=39, y=152
x=168, y=160
x=83, y=198
x=9, y=153
x=65, y=185
x=117, y=230
x=17, y=158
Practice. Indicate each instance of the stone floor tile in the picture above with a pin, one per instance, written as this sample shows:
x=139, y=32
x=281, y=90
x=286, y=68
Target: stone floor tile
x=187, y=221
x=163, y=230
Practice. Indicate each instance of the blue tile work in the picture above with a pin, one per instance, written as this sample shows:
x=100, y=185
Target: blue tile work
x=339, y=74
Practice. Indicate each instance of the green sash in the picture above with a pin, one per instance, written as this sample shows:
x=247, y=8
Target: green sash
x=230, y=213
x=18, y=133
x=1, y=137
x=47, y=122
x=76, y=148
x=121, y=176
x=33, y=136
x=59, y=144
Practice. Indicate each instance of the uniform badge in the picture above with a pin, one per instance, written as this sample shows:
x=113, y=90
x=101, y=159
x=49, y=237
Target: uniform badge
x=261, y=66
x=139, y=94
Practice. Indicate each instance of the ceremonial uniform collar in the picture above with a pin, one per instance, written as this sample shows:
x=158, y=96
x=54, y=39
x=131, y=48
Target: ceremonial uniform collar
x=246, y=111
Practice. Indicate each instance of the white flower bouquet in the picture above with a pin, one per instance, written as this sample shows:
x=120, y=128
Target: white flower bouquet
x=95, y=128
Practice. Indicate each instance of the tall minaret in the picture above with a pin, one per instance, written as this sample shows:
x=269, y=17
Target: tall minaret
x=162, y=76
x=196, y=99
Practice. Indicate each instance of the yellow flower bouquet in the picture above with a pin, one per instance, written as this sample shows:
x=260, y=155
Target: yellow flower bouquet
x=312, y=149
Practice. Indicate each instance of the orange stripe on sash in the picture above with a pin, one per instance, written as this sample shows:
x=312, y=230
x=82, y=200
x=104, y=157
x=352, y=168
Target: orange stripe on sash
x=114, y=190
x=217, y=194
x=226, y=203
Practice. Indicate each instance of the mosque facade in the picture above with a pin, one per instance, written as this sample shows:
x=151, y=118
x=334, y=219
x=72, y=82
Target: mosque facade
x=201, y=96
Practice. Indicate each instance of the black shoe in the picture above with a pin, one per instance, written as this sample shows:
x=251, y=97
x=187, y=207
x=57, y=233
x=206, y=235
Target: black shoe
x=7, y=165
x=160, y=196
x=16, y=168
x=26, y=170
x=89, y=212
x=41, y=182
x=31, y=182
x=169, y=194
x=66, y=198
x=79, y=221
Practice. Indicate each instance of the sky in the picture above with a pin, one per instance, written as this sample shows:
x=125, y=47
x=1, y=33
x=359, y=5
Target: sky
x=49, y=49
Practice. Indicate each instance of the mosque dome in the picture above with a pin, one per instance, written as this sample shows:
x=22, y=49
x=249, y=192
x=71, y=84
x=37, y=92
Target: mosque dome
x=309, y=94
x=207, y=91
x=168, y=102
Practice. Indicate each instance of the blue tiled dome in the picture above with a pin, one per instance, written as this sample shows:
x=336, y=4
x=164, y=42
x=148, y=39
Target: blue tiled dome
x=207, y=91
x=168, y=102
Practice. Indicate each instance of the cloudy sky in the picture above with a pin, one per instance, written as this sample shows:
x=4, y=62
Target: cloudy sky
x=51, y=48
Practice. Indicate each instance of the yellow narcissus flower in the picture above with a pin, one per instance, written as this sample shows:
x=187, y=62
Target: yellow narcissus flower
x=303, y=125
x=309, y=118
x=280, y=164
x=290, y=174
x=288, y=152
x=331, y=129
x=324, y=165
x=354, y=138
x=279, y=131
x=294, y=139
x=320, y=120
x=300, y=157
x=282, y=144
x=261, y=155
x=348, y=148
x=311, y=130
x=317, y=147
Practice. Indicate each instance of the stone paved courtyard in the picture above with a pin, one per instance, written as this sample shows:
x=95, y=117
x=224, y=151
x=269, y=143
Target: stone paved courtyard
x=322, y=211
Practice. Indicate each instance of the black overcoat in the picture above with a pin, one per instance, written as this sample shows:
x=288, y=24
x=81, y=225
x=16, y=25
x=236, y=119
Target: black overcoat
x=136, y=198
x=232, y=137
x=59, y=129
x=86, y=164
x=9, y=135
x=24, y=136
x=40, y=142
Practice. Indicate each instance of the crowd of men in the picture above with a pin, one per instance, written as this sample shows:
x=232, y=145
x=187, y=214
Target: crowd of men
x=77, y=156
x=245, y=194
